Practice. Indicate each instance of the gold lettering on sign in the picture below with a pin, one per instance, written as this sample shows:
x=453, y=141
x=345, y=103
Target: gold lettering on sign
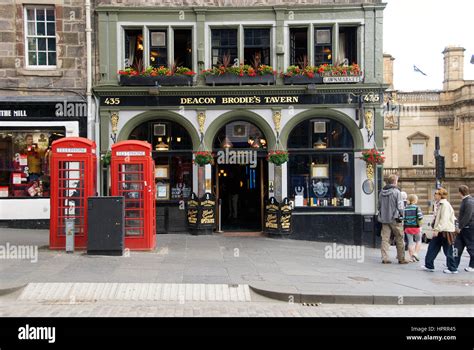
x=207, y=216
x=271, y=221
x=198, y=100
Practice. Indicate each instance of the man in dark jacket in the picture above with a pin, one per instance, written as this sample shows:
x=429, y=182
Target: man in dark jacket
x=391, y=209
x=466, y=226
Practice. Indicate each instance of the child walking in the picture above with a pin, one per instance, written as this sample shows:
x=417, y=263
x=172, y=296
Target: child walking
x=412, y=226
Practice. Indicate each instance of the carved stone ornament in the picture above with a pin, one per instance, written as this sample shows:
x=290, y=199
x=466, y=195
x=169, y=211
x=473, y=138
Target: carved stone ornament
x=201, y=117
x=277, y=121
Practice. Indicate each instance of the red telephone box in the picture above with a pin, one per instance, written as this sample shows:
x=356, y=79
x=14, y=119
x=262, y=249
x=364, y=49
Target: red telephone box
x=132, y=175
x=73, y=179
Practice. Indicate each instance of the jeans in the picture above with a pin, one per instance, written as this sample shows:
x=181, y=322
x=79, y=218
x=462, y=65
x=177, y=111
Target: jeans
x=465, y=240
x=433, y=250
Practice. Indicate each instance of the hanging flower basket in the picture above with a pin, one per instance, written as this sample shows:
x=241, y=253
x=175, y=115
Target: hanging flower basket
x=278, y=157
x=203, y=158
x=373, y=156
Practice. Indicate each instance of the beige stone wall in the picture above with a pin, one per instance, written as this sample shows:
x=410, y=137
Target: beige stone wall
x=71, y=54
x=448, y=114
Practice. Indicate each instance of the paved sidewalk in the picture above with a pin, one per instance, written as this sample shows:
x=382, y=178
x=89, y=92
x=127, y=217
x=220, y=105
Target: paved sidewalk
x=289, y=270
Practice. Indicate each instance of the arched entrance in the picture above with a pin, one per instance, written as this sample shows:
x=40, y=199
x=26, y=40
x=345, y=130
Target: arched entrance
x=240, y=175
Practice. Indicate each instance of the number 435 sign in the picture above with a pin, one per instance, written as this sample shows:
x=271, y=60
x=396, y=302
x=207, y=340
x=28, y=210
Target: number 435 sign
x=371, y=97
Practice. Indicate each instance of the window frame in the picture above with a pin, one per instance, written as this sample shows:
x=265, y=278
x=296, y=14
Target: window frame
x=423, y=144
x=359, y=24
x=169, y=27
x=26, y=36
x=240, y=26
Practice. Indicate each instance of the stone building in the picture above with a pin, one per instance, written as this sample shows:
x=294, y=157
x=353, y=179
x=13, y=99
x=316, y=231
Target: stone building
x=43, y=96
x=325, y=119
x=412, y=120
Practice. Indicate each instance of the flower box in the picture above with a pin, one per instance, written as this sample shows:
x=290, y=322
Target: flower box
x=301, y=79
x=163, y=80
x=233, y=79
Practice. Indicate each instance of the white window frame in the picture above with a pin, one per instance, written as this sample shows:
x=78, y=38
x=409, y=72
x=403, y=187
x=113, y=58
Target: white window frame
x=423, y=145
x=26, y=36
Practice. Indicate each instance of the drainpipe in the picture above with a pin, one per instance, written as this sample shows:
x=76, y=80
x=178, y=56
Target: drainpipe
x=90, y=117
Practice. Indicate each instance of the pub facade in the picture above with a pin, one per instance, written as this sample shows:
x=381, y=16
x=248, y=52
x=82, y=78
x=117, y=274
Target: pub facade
x=243, y=80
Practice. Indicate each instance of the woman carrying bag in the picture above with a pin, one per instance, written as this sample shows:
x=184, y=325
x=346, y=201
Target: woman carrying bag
x=443, y=235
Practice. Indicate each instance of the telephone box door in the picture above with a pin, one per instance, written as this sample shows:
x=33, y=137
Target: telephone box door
x=73, y=180
x=133, y=178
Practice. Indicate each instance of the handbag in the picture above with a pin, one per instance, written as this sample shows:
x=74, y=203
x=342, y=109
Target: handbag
x=450, y=237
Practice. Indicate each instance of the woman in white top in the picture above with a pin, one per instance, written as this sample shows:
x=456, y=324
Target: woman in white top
x=443, y=234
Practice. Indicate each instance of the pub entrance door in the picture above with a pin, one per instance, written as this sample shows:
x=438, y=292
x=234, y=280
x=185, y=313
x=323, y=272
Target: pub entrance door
x=241, y=190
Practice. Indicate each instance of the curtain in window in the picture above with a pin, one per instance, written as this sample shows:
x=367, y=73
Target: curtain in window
x=341, y=50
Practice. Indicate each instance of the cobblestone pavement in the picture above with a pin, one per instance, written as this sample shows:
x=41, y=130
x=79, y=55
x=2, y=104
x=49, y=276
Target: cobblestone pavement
x=11, y=308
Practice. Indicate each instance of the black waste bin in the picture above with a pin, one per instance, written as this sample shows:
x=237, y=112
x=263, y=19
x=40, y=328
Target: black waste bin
x=105, y=222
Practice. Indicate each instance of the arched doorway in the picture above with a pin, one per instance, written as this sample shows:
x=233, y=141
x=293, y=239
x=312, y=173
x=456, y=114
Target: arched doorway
x=240, y=175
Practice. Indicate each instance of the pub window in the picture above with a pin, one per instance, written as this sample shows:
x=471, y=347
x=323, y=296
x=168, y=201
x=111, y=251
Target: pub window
x=298, y=46
x=321, y=165
x=347, y=51
x=40, y=36
x=183, y=43
x=158, y=48
x=133, y=48
x=25, y=157
x=224, y=46
x=323, y=51
x=172, y=154
x=257, y=46
x=418, y=150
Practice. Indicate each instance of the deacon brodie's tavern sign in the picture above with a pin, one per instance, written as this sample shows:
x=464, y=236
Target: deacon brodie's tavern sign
x=162, y=99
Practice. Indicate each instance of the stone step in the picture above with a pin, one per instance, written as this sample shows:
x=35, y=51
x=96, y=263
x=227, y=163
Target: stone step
x=89, y=292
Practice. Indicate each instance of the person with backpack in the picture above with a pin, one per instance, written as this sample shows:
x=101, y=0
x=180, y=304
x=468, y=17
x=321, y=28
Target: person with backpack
x=391, y=208
x=413, y=218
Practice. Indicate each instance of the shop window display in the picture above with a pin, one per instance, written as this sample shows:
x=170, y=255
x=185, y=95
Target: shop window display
x=25, y=156
x=321, y=165
x=172, y=153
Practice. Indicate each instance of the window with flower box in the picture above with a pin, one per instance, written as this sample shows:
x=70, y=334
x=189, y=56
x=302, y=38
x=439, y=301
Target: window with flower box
x=156, y=49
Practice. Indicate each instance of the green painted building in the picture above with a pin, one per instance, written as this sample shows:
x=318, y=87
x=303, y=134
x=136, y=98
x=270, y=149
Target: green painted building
x=304, y=76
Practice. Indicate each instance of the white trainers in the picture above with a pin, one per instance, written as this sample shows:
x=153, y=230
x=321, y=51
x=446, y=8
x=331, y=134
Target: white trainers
x=427, y=269
x=469, y=269
x=449, y=271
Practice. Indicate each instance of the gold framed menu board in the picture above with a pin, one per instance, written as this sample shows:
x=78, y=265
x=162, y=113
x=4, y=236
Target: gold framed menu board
x=162, y=172
x=162, y=191
x=320, y=171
